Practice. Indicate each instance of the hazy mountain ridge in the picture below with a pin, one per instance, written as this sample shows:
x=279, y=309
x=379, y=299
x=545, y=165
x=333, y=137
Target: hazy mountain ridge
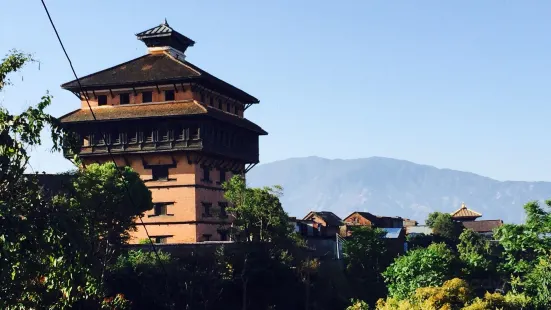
x=386, y=186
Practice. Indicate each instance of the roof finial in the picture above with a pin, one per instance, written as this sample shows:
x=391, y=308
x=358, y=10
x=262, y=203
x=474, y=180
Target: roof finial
x=165, y=23
x=463, y=206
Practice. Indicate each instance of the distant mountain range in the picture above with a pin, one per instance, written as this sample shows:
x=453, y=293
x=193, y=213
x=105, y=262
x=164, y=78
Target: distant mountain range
x=385, y=186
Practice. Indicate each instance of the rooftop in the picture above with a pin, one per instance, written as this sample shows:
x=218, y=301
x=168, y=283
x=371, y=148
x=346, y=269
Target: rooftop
x=330, y=218
x=155, y=69
x=483, y=226
x=463, y=212
x=153, y=110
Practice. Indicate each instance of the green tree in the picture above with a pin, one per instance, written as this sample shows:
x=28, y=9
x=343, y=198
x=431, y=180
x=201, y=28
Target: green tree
x=425, y=267
x=524, y=245
x=443, y=225
x=538, y=283
x=475, y=252
x=53, y=252
x=365, y=258
x=257, y=212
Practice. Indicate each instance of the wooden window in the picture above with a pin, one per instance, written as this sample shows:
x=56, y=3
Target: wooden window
x=159, y=239
x=102, y=100
x=211, y=101
x=206, y=174
x=206, y=237
x=165, y=135
x=236, y=109
x=132, y=137
x=147, y=96
x=207, y=206
x=116, y=137
x=159, y=209
x=220, y=104
x=124, y=98
x=98, y=139
x=169, y=95
x=181, y=133
x=223, y=235
x=148, y=135
x=222, y=176
x=228, y=107
x=194, y=133
x=223, y=206
x=159, y=173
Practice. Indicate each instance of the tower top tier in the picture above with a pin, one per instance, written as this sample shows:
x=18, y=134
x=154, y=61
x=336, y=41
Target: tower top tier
x=163, y=37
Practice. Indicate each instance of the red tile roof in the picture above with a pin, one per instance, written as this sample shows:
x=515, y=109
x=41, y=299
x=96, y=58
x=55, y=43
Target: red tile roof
x=154, y=69
x=483, y=226
x=463, y=212
x=155, y=110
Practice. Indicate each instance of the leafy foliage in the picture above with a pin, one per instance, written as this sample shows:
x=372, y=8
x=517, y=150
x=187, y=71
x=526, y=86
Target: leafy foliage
x=53, y=251
x=419, y=268
x=365, y=257
x=443, y=225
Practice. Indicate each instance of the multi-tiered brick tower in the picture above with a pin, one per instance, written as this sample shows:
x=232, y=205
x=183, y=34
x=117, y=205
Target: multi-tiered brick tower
x=178, y=126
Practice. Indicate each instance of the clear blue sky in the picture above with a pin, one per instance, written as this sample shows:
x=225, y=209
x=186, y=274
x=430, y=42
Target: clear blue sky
x=455, y=84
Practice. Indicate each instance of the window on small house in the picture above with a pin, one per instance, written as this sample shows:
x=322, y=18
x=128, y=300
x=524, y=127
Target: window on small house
x=207, y=206
x=236, y=109
x=206, y=174
x=206, y=237
x=222, y=176
x=223, y=235
x=169, y=95
x=159, y=173
x=102, y=100
x=220, y=104
x=147, y=96
x=159, y=239
x=223, y=206
x=124, y=98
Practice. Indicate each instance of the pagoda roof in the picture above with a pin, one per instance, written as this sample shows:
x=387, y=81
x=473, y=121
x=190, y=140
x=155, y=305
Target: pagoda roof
x=157, y=110
x=463, y=212
x=155, y=69
x=164, y=30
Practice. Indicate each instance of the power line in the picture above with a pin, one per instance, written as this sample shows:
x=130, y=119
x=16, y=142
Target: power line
x=102, y=134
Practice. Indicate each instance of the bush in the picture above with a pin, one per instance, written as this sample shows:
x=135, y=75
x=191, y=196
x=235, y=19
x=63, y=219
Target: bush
x=419, y=268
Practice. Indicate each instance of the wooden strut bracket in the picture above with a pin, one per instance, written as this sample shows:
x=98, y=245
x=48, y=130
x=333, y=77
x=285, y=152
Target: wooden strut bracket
x=175, y=88
x=111, y=92
x=249, y=167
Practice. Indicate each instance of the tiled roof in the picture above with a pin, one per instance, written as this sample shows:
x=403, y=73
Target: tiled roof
x=329, y=217
x=375, y=219
x=464, y=212
x=483, y=226
x=153, y=69
x=153, y=110
x=163, y=30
